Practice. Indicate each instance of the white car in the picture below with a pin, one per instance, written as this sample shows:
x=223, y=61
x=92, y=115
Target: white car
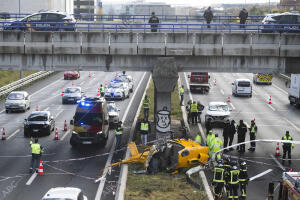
x=242, y=87
x=113, y=113
x=126, y=78
x=17, y=101
x=117, y=90
x=217, y=112
x=69, y=193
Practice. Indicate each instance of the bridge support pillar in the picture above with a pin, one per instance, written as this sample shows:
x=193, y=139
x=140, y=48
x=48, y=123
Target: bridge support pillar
x=165, y=76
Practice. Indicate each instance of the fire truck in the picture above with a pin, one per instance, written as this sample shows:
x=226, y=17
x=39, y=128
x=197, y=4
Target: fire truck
x=290, y=186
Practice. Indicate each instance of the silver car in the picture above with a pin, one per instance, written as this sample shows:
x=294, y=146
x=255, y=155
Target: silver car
x=113, y=113
x=217, y=113
x=17, y=101
x=72, y=95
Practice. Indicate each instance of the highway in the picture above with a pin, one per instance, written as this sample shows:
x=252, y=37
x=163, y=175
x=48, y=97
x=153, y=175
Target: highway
x=272, y=121
x=15, y=154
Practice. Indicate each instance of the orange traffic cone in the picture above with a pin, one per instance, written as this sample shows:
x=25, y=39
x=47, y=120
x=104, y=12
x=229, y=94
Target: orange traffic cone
x=291, y=170
x=277, y=150
x=62, y=92
x=37, y=108
x=41, y=169
x=3, y=134
x=56, y=135
x=215, y=82
x=228, y=99
x=98, y=93
x=270, y=100
x=89, y=74
x=65, y=126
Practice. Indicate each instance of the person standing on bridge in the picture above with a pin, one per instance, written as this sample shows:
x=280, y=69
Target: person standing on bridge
x=146, y=105
x=287, y=147
x=253, y=132
x=36, y=150
x=243, y=17
x=208, y=16
x=153, y=21
x=181, y=93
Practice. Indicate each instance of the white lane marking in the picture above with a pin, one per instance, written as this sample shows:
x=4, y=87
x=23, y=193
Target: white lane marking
x=63, y=137
x=260, y=174
x=14, y=133
x=280, y=89
x=271, y=107
x=233, y=108
x=103, y=177
x=254, y=92
x=31, y=179
x=47, y=109
x=291, y=123
x=59, y=112
x=82, y=83
x=222, y=92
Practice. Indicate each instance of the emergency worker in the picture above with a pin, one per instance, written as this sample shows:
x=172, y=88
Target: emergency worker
x=200, y=108
x=208, y=16
x=153, y=21
x=234, y=182
x=181, y=93
x=144, y=130
x=194, y=112
x=36, y=151
x=243, y=179
x=118, y=133
x=226, y=130
x=227, y=167
x=218, y=181
x=241, y=130
x=287, y=147
x=146, y=106
x=243, y=17
x=217, y=144
x=209, y=138
x=102, y=90
x=188, y=109
x=198, y=138
x=253, y=132
x=208, y=125
x=232, y=131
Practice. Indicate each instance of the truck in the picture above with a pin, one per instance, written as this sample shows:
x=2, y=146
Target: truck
x=263, y=78
x=199, y=82
x=294, y=90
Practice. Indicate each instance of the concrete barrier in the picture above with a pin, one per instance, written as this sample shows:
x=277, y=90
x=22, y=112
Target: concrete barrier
x=265, y=44
x=12, y=42
x=95, y=43
x=290, y=45
x=236, y=44
x=208, y=44
x=38, y=43
x=123, y=43
x=179, y=44
x=66, y=43
x=151, y=44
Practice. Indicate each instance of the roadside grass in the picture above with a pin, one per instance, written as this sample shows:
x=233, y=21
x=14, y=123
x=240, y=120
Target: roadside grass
x=175, y=101
x=7, y=77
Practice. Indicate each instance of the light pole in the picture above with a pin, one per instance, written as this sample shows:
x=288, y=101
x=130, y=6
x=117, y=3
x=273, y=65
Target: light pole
x=269, y=6
x=21, y=72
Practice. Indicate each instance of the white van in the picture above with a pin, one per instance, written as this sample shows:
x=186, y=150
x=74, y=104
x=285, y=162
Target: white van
x=242, y=87
x=17, y=101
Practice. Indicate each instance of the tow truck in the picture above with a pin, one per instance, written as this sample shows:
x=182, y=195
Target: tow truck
x=199, y=82
x=289, y=187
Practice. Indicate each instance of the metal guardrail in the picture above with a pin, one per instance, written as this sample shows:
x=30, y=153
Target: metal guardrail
x=22, y=82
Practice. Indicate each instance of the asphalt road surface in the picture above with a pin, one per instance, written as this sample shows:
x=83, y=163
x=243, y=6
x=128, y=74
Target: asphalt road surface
x=272, y=121
x=15, y=153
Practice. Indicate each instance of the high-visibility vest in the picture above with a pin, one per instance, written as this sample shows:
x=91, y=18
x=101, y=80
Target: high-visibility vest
x=181, y=91
x=217, y=143
x=253, y=129
x=118, y=131
x=194, y=107
x=198, y=139
x=102, y=89
x=287, y=138
x=234, y=176
x=218, y=175
x=243, y=176
x=209, y=139
x=144, y=126
x=146, y=103
x=35, y=148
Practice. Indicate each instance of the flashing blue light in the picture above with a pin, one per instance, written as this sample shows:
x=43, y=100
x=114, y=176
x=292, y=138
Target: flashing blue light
x=81, y=123
x=84, y=103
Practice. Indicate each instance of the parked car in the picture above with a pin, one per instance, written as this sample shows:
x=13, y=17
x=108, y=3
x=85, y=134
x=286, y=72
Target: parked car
x=126, y=78
x=72, y=95
x=117, y=90
x=217, y=113
x=17, y=101
x=38, y=123
x=44, y=21
x=71, y=75
x=242, y=87
x=67, y=193
x=113, y=113
x=290, y=22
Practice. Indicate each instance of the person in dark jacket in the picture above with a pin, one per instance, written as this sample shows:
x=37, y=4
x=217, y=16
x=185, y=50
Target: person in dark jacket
x=226, y=131
x=243, y=17
x=208, y=125
x=241, y=131
x=153, y=21
x=188, y=110
x=200, y=108
x=208, y=15
x=232, y=131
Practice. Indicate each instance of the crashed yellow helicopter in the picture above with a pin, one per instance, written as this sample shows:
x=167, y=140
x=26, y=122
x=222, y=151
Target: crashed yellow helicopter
x=168, y=156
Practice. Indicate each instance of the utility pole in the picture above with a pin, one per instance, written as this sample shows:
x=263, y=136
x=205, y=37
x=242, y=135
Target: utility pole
x=269, y=6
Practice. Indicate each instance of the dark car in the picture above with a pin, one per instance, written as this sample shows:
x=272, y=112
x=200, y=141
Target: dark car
x=43, y=21
x=281, y=22
x=39, y=123
x=72, y=95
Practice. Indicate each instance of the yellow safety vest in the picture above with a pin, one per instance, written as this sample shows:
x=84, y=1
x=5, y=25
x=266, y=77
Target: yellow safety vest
x=234, y=176
x=146, y=103
x=217, y=143
x=144, y=126
x=181, y=91
x=209, y=139
x=118, y=131
x=198, y=139
x=252, y=130
x=218, y=175
x=35, y=148
x=102, y=89
x=194, y=108
x=290, y=138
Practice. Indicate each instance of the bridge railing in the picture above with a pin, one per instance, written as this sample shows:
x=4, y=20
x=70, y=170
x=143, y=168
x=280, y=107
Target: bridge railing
x=146, y=27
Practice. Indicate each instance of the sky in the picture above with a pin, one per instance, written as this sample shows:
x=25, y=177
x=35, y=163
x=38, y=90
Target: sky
x=194, y=3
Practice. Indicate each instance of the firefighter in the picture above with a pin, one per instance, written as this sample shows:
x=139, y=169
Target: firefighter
x=241, y=130
x=36, y=151
x=226, y=130
x=253, y=132
x=227, y=167
x=208, y=15
x=153, y=21
x=243, y=179
x=243, y=17
x=146, y=105
x=102, y=90
x=181, y=93
x=144, y=130
x=287, y=147
x=232, y=131
x=118, y=133
x=194, y=112
x=217, y=143
x=233, y=182
x=218, y=181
